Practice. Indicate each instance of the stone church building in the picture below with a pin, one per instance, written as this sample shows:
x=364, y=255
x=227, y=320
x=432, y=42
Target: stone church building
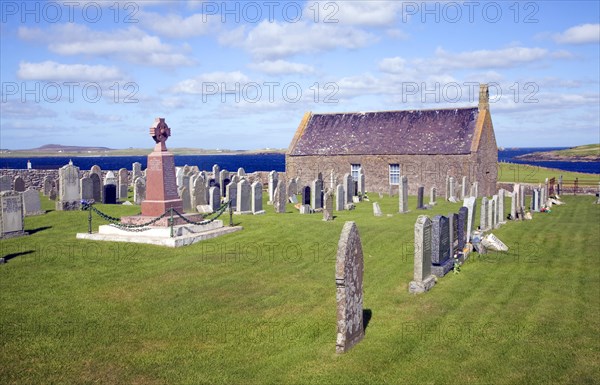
x=425, y=145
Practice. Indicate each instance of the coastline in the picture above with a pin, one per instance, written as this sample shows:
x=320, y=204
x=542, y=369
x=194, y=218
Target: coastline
x=132, y=152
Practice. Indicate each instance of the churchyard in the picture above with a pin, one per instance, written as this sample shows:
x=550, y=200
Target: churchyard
x=259, y=305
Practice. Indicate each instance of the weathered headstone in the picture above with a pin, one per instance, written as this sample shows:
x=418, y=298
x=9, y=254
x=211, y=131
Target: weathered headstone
x=463, y=188
x=447, y=195
x=432, y=196
x=423, y=280
x=316, y=194
x=231, y=194
x=86, y=188
x=452, y=188
x=241, y=172
x=361, y=183
x=403, y=195
x=215, y=171
x=492, y=212
x=47, y=185
x=68, y=191
x=420, y=193
x=19, y=184
x=513, y=202
x=521, y=198
x=5, y=183
x=243, y=197
x=273, y=180
x=463, y=213
x=501, y=217
x=224, y=180
x=139, y=190
x=31, y=202
x=440, y=246
x=123, y=183
x=328, y=206
x=377, y=210
x=348, y=187
x=184, y=193
x=349, y=289
x=340, y=198
x=292, y=188
x=109, y=194
x=215, y=198
x=535, y=200
x=280, y=197
x=110, y=178
x=475, y=189
x=483, y=218
x=136, y=171
x=96, y=170
x=257, y=200
x=96, y=187
x=12, y=222
x=471, y=204
x=199, y=193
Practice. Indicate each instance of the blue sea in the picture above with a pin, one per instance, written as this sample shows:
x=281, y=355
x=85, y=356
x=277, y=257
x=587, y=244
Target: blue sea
x=258, y=162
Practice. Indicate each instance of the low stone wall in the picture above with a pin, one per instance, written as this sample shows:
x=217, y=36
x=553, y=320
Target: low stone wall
x=567, y=189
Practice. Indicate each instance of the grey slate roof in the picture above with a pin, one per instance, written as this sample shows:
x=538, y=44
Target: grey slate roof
x=433, y=132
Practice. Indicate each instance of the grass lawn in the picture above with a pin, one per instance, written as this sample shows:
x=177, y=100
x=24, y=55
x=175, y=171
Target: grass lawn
x=525, y=173
x=258, y=306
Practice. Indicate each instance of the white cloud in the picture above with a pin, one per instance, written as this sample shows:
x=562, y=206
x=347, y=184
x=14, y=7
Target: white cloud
x=93, y=117
x=210, y=83
x=176, y=26
x=580, y=34
x=277, y=40
x=282, y=67
x=17, y=109
x=365, y=13
x=131, y=44
x=53, y=71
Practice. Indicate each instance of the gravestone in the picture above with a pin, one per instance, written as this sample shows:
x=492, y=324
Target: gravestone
x=96, y=170
x=521, y=198
x=31, y=202
x=231, y=194
x=376, y=209
x=257, y=200
x=348, y=187
x=501, y=217
x=5, y=183
x=179, y=176
x=110, y=178
x=47, y=185
x=349, y=289
x=53, y=194
x=68, y=188
x=243, y=197
x=280, y=197
x=305, y=209
x=273, y=180
x=316, y=197
x=292, y=188
x=184, y=193
x=493, y=212
x=514, y=199
x=543, y=197
x=463, y=188
x=453, y=233
x=19, y=184
x=86, y=188
x=215, y=171
x=471, y=204
x=463, y=213
x=448, y=195
x=440, y=246
x=328, y=206
x=123, y=183
x=452, y=188
x=199, y=192
x=224, y=180
x=215, y=198
x=241, y=172
x=361, y=183
x=136, y=171
x=475, y=189
x=423, y=280
x=96, y=187
x=12, y=223
x=420, y=193
x=139, y=190
x=109, y=194
x=483, y=224
x=403, y=195
x=535, y=200
x=306, y=195
x=432, y=196
x=340, y=198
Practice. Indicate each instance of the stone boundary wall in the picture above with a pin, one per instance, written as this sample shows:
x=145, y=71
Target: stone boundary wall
x=35, y=177
x=566, y=190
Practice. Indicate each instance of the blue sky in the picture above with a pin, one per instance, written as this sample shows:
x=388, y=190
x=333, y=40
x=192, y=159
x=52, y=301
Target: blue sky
x=240, y=75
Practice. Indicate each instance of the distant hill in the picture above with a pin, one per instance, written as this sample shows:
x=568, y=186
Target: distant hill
x=60, y=148
x=586, y=153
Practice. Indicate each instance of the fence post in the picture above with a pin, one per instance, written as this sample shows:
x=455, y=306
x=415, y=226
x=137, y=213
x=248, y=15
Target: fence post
x=171, y=221
x=89, y=219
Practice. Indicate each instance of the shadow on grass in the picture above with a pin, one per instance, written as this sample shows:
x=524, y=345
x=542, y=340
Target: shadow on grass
x=33, y=231
x=14, y=255
x=367, y=314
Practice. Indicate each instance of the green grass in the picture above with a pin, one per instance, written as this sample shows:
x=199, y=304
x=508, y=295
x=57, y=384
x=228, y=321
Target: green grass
x=524, y=173
x=586, y=150
x=258, y=306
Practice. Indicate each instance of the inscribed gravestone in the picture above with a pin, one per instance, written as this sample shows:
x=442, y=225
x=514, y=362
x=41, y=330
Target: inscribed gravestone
x=340, y=198
x=96, y=187
x=31, y=202
x=11, y=214
x=492, y=207
x=86, y=188
x=110, y=178
x=19, y=184
x=186, y=200
x=5, y=183
x=241, y=172
x=463, y=188
x=349, y=288
x=420, y=193
x=96, y=170
x=483, y=224
x=432, y=196
x=47, y=185
x=257, y=198
x=273, y=179
x=243, y=197
x=447, y=196
x=280, y=197
x=199, y=192
x=328, y=206
x=452, y=188
x=471, y=204
x=361, y=183
x=440, y=246
x=403, y=194
x=348, y=187
x=231, y=194
x=215, y=198
x=463, y=212
x=109, y=194
x=316, y=197
x=422, y=279
x=306, y=195
x=139, y=190
x=68, y=188
x=136, y=171
x=376, y=209
x=123, y=183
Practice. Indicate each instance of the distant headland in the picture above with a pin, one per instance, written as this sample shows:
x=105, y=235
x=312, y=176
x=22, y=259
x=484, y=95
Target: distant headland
x=586, y=153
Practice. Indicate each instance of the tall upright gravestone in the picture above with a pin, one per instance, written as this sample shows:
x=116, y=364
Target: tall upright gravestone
x=161, y=184
x=423, y=280
x=349, y=271
x=68, y=188
x=440, y=246
x=403, y=195
x=31, y=202
x=280, y=197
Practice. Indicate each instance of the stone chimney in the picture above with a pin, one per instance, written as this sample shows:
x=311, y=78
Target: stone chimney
x=484, y=97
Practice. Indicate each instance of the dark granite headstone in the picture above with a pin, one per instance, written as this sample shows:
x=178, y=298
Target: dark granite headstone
x=306, y=195
x=463, y=212
x=420, y=193
x=440, y=240
x=109, y=195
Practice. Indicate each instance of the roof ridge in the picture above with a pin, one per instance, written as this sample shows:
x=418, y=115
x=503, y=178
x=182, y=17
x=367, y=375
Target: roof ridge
x=411, y=110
